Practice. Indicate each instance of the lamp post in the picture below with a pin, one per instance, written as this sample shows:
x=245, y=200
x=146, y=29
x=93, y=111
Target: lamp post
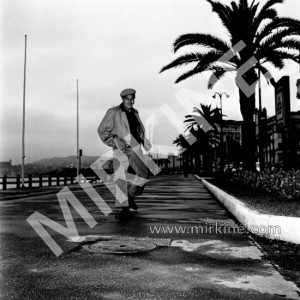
x=23, y=123
x=298, y=80
x=78, y=154
x=259, y=119
x=260, y=127
x=220, y=94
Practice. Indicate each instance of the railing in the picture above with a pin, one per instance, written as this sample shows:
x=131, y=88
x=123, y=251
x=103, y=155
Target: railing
x=37, y=181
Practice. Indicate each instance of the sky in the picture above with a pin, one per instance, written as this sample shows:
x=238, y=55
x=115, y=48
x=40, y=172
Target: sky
x=108, y=45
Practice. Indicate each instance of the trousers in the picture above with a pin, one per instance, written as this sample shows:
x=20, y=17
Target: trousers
x=128, y=184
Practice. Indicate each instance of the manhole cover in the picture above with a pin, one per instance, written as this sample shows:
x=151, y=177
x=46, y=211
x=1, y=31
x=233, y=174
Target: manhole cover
x=121, y=247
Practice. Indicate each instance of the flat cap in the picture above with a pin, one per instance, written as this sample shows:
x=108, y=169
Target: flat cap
x=127, y=92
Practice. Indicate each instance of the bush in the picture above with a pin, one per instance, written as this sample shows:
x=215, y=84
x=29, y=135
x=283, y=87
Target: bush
x=277, y=183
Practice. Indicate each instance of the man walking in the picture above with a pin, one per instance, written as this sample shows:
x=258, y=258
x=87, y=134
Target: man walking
x=122, y=129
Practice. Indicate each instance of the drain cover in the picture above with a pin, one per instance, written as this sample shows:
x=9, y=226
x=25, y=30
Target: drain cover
x=121, y=247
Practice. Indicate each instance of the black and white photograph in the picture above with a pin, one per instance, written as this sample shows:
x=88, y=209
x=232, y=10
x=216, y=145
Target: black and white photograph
x=150, y=149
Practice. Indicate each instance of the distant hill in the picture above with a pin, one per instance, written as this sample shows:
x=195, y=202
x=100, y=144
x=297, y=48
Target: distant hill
x=66, y=162
x=57, y=165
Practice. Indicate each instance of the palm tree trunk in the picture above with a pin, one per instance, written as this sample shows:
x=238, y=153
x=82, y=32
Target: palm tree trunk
x=247, y=105
x=186, y=161
x=207, y=164
x=197, y=162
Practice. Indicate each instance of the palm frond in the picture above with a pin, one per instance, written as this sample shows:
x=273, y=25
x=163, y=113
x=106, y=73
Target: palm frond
x=189, y=127
x=189, y=119
x=254, y=7
x=234, y=6
x=265, y=12
x=290, y=43
x=269, y=14
x=217, y=74
x=215, y=77
x=224, y=13
x=267, y=74
x=284, y=54
x=269, y=4
x=180, y=141
x=188, y=74
x=205, y=139
x=243, y=5
x=197, y=110
x=206, y=40
x=205, y=109
x=203, y=65
x=275, y=59
x=183, y=60
x=277, y=38
x=277, y=24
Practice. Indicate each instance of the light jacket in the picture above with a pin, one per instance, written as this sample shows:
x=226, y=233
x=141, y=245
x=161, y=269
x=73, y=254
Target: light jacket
x=115, y=126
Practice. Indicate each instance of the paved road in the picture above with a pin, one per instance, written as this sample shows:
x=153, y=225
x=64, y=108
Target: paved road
x=206, y=258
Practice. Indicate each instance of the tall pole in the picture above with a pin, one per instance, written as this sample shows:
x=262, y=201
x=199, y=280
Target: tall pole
x=23, y=126
x=222, y=146
x=298, y=80
x=220, y=94
x=260, y=139
x=78, y=157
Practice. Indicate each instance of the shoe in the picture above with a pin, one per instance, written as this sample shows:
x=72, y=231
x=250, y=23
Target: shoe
x=132, y=204
x=124, y=214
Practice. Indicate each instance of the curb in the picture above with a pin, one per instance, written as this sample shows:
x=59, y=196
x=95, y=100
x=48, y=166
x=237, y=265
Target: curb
x=269, y=226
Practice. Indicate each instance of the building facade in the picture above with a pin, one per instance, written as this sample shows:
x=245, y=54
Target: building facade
x=6, y=168
x=280, y=134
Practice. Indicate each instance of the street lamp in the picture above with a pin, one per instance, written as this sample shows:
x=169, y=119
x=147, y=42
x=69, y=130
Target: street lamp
x=77, y=123
x=260, y=127
x=23, y=122
x=259, y=119
x=220, y=94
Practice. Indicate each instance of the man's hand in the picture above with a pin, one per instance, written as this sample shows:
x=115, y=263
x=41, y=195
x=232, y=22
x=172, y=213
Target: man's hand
x=147, y=144
x=121, y=144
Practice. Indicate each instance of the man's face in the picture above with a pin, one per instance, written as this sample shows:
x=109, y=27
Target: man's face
x=128, y=101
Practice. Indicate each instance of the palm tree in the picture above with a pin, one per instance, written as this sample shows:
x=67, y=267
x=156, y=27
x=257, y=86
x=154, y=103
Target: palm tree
x=206, y=141
x=212, y=116
x=269, y=39
x=180, y=141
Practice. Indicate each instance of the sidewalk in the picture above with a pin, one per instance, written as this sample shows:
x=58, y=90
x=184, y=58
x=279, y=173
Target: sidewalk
x=196, y=250
x=13, y=194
